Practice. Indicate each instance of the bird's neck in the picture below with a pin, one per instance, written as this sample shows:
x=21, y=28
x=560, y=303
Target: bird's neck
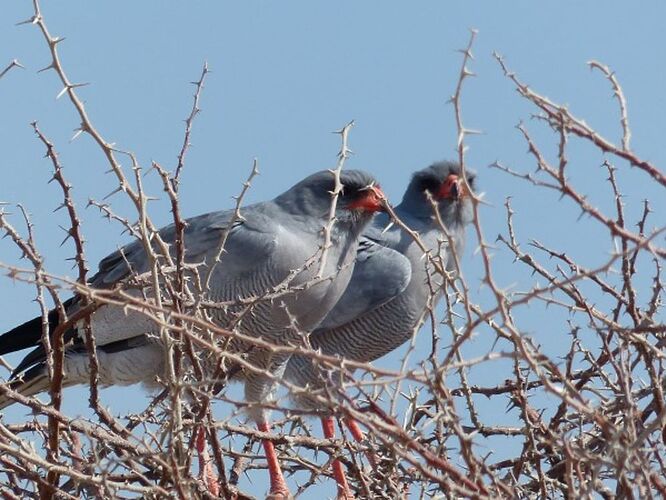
x=415, y=211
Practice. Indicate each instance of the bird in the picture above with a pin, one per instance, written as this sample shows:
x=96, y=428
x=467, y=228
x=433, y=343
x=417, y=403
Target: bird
x=270, y=244
x=390, y=288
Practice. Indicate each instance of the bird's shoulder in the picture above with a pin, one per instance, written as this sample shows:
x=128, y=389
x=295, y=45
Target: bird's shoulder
x=383, y=232
x=264, y=234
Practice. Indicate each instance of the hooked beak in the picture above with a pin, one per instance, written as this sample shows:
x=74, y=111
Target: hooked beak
x=373, y=200
x=453, y=188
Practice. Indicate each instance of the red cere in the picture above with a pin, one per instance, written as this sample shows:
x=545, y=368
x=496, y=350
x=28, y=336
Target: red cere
x=450, y=188
x=371, y=201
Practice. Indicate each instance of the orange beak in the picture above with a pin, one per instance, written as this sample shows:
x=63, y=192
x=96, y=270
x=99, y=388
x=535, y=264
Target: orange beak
x=373, y=200
x=452, y=188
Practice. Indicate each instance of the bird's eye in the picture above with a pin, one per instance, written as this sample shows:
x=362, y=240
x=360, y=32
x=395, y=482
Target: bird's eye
x=348, y=191
x=369, y=198
x=355, y=190
x=429, y=184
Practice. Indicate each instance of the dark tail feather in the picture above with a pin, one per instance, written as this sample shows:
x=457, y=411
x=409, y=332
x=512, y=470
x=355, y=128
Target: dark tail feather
x=29, y=333
x=32, y=382
x=37, y=355
x=26, y=335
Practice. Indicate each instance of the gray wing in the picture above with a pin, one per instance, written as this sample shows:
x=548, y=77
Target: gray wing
x=380, y=274
x=201, y=235
x=249, y=242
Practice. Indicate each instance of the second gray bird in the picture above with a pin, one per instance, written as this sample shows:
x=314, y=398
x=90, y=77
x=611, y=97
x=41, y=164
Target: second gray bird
x=390, y=286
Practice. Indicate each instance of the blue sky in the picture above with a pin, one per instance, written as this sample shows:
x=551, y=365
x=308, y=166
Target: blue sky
x=286, y=74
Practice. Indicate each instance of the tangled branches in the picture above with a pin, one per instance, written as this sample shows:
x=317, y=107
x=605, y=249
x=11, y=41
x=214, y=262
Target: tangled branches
x=490, y=410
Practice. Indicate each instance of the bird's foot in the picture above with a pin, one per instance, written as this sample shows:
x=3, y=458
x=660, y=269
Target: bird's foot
x=206, y=473
x=359, y=437
x=279, y=490
x=280, y=494
x=344, y=493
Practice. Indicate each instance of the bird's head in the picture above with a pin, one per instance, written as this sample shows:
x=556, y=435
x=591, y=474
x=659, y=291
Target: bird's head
x=360, y=197
x=443, y=183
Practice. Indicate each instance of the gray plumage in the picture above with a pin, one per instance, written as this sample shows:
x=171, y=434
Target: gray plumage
x=272, y=240
x=391, y=284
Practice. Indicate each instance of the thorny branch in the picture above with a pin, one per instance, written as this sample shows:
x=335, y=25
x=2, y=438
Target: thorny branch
x=586, y=420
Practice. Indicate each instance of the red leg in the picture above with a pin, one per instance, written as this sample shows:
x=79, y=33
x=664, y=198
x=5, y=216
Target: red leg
x=328, y=424
x=206, y=473
x=358, y=435
x=279, y=488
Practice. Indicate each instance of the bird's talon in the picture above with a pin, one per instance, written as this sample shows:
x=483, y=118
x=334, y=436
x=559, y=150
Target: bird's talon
x=279, y=495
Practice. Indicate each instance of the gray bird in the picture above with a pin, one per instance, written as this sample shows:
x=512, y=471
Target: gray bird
x=390, y=286
x=263, y=249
